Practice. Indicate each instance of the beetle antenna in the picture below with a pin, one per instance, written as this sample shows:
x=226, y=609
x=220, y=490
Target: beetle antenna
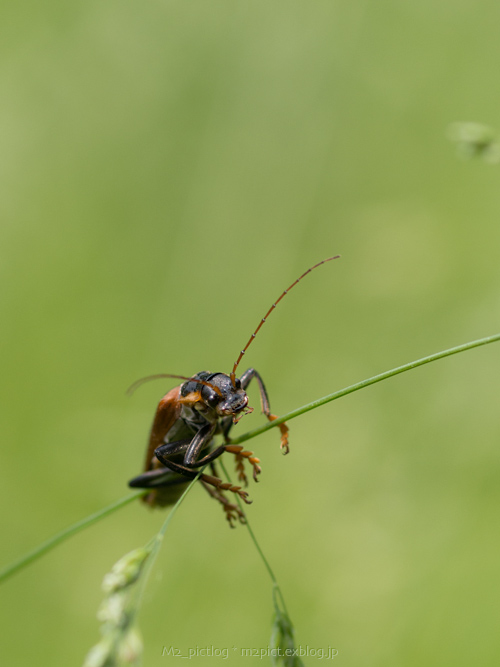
x=233, y=372
x=142, y=381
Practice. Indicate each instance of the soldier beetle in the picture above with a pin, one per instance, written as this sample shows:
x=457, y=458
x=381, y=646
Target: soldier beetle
x=188, y=418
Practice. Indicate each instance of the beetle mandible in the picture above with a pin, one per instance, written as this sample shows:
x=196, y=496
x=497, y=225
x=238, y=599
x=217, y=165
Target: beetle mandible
x=187, y=419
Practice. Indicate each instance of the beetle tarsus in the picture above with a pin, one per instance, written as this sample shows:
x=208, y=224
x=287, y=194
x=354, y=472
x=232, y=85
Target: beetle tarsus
x=284, y=433
x=233, y=512
x=240, y=469
x=227, y=486
x=240, y=455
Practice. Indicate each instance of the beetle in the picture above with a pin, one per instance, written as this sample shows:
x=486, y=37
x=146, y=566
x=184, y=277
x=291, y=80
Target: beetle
x=188, y=418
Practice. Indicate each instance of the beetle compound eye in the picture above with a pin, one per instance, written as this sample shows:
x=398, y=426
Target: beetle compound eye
x=237, y=383
x=212, y=399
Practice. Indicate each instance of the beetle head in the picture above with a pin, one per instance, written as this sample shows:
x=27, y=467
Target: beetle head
x=232, y=401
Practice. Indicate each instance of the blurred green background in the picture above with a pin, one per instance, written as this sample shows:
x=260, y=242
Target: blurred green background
x=166, y=170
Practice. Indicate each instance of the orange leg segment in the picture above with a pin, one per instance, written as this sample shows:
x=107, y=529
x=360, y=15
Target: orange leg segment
x=241, y=454
x=284, y=434
x=233, y=512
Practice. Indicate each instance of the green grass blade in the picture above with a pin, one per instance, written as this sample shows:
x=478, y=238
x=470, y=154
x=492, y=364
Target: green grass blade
x=52, y=542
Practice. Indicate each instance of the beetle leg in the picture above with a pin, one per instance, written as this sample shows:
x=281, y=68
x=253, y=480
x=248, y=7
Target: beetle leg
x=176, y=447
x=195, y=446
x=242, y=454
x=192, y=474
x=266, y=409
x=227, y=486
x=240, y=469
x=284, y=434
x=159, y=481
x=225, y=427
x=153, y=479
x=191, y=448
x=234, y=508
x=198, y=443
x=232, y=511
x=200, y=440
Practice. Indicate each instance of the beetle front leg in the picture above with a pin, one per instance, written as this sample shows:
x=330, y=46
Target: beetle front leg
x=191, y=448
x=202, y=438
x=241, y=454
x=266, y=409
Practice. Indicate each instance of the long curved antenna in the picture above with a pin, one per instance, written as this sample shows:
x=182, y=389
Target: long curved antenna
x=233, y=372
x=142, y=381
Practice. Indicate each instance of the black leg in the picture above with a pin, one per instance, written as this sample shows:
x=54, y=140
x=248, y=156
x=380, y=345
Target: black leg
x=264, y=398
x=192, y=449
x=266, y=409
x=176, y=447
x=198, y=443
x=208, y=479
x=155, y=479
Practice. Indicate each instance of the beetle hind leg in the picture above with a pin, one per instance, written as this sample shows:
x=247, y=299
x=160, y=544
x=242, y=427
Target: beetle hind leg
x=226, y=486
x=232, y=511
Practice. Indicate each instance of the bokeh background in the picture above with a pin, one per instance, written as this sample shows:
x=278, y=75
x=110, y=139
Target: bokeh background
x=166, y=170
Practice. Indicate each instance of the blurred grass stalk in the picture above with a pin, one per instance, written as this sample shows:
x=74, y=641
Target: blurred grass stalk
x=475, y=140
x=282, y=641
x=124, y=587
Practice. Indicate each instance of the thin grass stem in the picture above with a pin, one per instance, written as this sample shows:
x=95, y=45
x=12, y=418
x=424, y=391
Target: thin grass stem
x=276, y=588
x=52, y=542
x=156, y=542
x=365, y=383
